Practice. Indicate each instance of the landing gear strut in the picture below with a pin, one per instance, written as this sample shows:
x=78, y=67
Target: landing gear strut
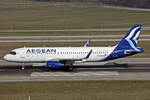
x=22, y=67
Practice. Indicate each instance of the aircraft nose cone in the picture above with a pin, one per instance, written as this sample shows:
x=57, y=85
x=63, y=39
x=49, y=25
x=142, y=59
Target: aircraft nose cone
x=6, y=57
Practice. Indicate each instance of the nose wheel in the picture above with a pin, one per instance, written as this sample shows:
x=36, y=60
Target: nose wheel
x=23, y=66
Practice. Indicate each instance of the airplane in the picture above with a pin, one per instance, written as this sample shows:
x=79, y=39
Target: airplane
x=65, y=57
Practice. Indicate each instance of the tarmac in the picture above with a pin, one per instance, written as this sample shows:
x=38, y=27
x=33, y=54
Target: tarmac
x=146, y=28
x=67, y=38
x=125, y=69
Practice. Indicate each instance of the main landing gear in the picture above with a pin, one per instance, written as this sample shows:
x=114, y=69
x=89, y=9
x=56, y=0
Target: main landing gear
x=69, y=67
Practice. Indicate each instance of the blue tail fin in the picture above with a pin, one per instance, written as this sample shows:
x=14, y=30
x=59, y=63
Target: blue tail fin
x=128, y=45
x=130, y=41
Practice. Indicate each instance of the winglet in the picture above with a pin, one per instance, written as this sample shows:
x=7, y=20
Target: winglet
x=88, y=55
x=87, y=43
x=85, y=59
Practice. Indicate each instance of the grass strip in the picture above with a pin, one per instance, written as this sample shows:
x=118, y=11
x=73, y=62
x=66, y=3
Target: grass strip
x=76, y=90
x=50, y=15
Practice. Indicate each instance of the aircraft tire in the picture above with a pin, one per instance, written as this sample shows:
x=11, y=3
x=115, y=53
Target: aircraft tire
x=69, y=68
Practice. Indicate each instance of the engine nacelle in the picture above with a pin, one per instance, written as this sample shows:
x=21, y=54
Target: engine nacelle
x=53, y=64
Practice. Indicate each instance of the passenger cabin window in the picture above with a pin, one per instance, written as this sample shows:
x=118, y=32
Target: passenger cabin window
x=12, y=53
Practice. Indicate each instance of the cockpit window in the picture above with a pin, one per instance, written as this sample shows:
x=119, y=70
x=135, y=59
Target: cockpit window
x=12, y=53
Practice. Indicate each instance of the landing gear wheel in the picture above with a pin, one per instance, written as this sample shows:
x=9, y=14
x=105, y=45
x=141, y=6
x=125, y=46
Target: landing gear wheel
x=69, y=68
x=22, y=67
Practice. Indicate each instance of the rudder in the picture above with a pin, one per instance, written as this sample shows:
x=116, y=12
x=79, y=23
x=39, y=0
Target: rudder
x=130, y=41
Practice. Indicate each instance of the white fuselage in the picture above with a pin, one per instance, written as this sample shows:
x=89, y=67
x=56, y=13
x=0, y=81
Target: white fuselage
x=43, y=54
x=55, y=57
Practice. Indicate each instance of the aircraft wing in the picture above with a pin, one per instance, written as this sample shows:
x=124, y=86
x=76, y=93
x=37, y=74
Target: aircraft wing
x=72, y=60
x=76, y=60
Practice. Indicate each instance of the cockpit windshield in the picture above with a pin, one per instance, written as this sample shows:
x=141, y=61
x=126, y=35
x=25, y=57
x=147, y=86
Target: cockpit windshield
x=12, y=53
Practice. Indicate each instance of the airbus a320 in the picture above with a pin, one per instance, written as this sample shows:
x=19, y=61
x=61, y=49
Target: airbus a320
x=59, y=57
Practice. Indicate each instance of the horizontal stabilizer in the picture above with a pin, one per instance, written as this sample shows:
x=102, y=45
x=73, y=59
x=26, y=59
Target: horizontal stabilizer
x=87, y=44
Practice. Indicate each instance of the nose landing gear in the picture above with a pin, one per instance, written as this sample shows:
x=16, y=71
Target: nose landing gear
x=23, y=66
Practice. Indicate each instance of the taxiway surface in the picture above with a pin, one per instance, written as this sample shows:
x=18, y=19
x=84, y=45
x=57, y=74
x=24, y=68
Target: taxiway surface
x=67, y=38
x=78, y=30
x=136, y=69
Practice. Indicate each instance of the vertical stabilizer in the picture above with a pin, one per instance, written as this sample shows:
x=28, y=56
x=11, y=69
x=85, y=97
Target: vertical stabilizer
x=130, y=41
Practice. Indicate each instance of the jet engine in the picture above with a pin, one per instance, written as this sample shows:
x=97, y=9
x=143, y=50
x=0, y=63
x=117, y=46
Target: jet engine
x=53, y=64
